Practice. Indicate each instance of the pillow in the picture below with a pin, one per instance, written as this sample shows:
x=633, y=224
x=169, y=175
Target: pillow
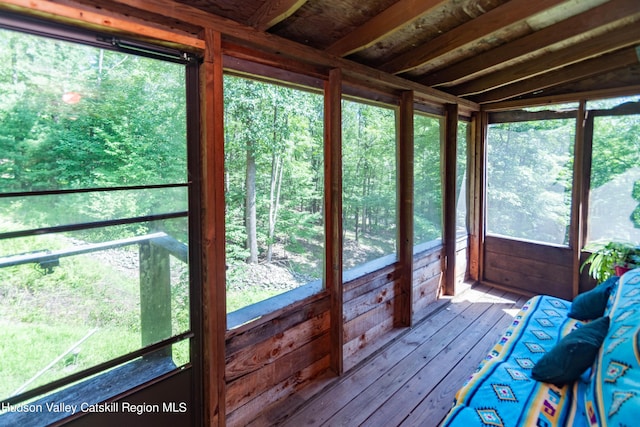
x=591, y=304
x=572, y=355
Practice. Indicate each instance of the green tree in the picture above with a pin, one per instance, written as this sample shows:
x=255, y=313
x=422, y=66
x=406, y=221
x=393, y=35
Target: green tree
x=273, y=167
x=529, y=180
x=74, y=117
x=369, y=180
x=427, y=179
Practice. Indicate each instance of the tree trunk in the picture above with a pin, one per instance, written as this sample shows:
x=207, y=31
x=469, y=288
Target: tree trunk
x=277, y=167
x=366, y=208
x=276, y=185
x=250, y=207
x=356, y=220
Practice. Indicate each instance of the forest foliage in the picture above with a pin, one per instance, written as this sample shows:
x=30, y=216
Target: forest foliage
x=274, y=179
x=530, y=179
x=78, y=118
x=89, y=137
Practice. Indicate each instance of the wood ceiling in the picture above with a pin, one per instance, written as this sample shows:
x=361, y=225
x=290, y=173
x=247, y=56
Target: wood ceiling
x=485, y=51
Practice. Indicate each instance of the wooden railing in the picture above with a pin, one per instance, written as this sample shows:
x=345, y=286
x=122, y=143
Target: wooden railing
x=155, y=276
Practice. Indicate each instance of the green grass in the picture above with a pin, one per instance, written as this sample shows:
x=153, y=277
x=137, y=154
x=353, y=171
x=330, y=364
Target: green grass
x=26, y=349
x=43, y=314
x=239, y=298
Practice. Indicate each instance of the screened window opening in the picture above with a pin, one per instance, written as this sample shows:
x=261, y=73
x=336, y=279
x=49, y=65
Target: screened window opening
x=427, y=178
x=614, y=196
x=462, y=177
x=529, y=179
x=274, y=182
x=369, y=183
x=94, y=215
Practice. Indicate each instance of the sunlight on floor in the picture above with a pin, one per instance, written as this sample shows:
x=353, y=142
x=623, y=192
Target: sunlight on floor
x=511, y=311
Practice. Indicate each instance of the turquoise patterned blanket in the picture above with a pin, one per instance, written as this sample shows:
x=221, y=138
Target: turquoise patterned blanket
x=501, y=391
x=606, y=392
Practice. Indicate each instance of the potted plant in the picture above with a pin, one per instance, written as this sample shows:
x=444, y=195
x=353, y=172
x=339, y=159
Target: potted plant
x=611, y=258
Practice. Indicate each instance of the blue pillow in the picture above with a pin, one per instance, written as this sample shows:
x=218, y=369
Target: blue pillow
x=572, y=355
x=591, y=304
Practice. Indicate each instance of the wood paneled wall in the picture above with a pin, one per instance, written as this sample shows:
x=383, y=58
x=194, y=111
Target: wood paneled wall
x=529, y=268
x=247, y=369
x=427, y=280
x=274, y=359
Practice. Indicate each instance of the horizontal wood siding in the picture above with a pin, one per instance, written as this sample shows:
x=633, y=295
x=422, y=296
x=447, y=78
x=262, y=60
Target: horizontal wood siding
x=527, y=267
x=427, y=280
x=276, y=358
x=369, y=303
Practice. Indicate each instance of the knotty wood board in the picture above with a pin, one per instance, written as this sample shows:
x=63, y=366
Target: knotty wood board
x=427, y=257
x=424, y=271
x=369, y=282
x=361, y=324
x=426, y=294
x=238, y=341
x=250, y=386
x=369, y=301
x=365, y=344
x=255, y=357
x=245, y=415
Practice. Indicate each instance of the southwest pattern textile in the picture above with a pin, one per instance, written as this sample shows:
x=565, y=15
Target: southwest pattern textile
x=613, y=394
x=501, y=392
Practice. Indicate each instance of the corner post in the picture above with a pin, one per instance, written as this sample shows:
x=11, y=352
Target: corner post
x=449, y=196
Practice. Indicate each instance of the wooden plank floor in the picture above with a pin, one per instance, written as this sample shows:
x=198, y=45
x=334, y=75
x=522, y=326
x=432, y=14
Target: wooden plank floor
x=411, y=381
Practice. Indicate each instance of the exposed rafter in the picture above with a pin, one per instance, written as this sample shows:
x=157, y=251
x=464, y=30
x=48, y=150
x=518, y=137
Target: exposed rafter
x=500, y=44
x=606, y=14
x=486, y=24
x=584, y=69
x=559, y=99
x=272, y=44
x=597, y=46
x=398, y=15
x=273, y=11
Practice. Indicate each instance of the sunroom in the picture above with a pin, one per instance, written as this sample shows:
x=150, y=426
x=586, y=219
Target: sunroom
x=297, y=212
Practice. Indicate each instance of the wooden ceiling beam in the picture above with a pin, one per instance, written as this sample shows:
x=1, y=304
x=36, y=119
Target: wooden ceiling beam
x=100, y=19
x=507, y=14
x=597, y=46
x=396, y=16
x=274, y=11
x=605, y=14
x=581, y=70
x=272, y=44
x=615, y=92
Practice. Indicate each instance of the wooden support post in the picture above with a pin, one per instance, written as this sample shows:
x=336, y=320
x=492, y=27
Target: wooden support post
x=449, y=196
x=333, y=212
x=404, y=298
x=155, y=295
x=213, y=229
x=577, y=234
x=476, y=194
